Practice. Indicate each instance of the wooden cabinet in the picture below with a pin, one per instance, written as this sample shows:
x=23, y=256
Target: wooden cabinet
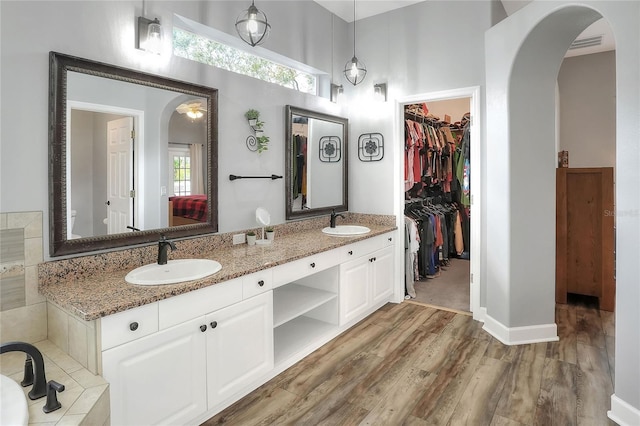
x=176, y=374
x=158, y=379
x=585, y=234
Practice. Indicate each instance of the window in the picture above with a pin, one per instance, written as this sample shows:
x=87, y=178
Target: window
x=180, y=162
x=202, y=49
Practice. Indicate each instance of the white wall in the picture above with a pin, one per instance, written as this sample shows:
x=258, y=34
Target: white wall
x=520, y=94
x=587, y=86
x=104, y=31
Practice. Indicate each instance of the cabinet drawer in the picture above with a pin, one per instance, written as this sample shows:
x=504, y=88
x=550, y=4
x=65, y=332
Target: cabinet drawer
x=289, y=272
x=129, y=325
x=364, y=247
x=199, y=302
x=254, y=284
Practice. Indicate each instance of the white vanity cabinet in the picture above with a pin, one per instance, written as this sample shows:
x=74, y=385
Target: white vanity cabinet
x=366, y=282
x=160, y=378
x=239, y=346
x=174, y=375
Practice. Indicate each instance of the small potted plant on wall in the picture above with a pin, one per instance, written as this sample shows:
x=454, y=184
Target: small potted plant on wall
x=253, y=116
x=263, y=142
x=251, y=238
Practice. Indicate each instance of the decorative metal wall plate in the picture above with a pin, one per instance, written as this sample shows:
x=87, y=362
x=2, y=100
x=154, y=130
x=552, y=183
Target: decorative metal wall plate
x=371, y=147
x=330, y=149
x=252, y=143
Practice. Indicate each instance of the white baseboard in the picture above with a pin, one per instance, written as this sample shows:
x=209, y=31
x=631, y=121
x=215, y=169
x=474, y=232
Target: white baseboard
x=480, y=314
x=623, y=413
x=520, y=335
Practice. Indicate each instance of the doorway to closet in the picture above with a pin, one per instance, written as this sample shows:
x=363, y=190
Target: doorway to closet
x=437, y=144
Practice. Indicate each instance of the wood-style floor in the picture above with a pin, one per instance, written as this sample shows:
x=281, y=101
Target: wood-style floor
x=411, y=364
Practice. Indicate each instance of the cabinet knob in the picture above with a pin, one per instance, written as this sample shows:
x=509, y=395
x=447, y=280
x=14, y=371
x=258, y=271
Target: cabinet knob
x=350, y=252
x=313, y=264
x=371, y=259
x=203, y=328
x=261, y=283
x=213, y=324
x=133, y=326
x=390, y=239
x=375, y=258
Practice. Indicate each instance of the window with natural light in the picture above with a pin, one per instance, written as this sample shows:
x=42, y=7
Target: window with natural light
x=202, y=49
x=181, y=171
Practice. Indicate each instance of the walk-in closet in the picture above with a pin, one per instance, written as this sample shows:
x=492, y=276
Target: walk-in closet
x=437, y=202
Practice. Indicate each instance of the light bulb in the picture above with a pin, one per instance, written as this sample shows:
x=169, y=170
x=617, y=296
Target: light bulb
x=252, y=24
x=354, y=69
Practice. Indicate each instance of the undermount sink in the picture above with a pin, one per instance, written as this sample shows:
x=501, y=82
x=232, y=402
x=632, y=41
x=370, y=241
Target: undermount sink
x=346, y=230
x=175, y=271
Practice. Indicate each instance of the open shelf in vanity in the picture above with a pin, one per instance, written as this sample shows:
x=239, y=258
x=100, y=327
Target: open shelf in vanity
x=304, y=311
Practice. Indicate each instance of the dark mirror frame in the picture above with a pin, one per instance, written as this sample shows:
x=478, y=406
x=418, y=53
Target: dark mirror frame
x=59, y=65
x=290, y=111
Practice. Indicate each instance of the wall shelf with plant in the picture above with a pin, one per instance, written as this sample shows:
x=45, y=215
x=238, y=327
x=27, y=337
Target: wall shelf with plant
x=258, y=141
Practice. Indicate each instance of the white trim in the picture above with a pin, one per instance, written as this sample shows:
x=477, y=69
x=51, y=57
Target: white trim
x=623, y=413
x=520, y=335
x=480, y=314
x=476, y=193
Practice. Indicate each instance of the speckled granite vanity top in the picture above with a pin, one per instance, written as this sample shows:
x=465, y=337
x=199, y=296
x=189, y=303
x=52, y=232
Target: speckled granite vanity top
x=91, y=287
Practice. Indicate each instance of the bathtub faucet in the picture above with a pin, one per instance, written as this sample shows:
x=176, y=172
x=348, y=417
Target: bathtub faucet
x=40, y=383
x=40, y=386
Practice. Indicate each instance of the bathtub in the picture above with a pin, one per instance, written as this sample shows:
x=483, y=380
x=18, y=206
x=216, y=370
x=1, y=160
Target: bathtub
x=13, y=403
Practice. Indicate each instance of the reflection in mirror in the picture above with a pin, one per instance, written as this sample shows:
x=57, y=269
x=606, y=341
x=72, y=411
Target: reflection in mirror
x=133, y=155
x=316, y=175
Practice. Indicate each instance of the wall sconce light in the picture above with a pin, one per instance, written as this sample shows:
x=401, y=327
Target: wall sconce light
x=252, y=25
x=380, y=92
x=336, y=92
x=149, y=35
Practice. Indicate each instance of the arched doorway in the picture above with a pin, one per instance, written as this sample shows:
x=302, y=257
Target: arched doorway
x=523, y=56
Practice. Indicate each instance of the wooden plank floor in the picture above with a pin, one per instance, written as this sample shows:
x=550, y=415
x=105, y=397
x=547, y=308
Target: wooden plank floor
x=411, y=364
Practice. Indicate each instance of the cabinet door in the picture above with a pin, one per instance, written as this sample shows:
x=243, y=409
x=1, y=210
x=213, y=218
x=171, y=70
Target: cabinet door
x=355, y=296
x=158, y=379
x=239, y=346
x=382, y=275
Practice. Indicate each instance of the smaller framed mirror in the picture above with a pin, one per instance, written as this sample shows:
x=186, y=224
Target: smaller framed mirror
x=316, y=163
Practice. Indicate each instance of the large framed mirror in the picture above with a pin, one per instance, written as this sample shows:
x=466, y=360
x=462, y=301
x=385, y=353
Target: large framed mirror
x=316, y=163
x=131, y=155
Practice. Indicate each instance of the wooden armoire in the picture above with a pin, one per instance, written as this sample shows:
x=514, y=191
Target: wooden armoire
x=585, y=249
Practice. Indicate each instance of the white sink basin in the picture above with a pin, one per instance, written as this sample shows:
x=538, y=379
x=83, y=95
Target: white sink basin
x=346, y=230
x=175, y=271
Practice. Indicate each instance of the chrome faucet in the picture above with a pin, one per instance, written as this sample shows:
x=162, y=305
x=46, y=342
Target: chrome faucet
x=332, y=223
x=163, y=249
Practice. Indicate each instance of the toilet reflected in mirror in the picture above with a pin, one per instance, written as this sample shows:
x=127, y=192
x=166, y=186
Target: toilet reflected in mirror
x=72, y=222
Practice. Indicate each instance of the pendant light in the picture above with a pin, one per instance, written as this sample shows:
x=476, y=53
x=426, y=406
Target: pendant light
x=355, y=70
x=252, y=25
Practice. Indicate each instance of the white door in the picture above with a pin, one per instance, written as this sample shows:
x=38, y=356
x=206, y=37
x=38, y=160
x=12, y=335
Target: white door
x=158, y=379
x=382, y=276
x=354, y=288
x=119, y=201
x=239, y=346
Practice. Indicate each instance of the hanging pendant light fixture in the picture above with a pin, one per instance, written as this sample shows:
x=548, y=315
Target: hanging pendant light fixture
x=355, y=70
x=252, y=25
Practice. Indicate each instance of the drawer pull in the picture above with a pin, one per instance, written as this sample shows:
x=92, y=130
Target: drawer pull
x=133, y=326
x=261, y=283
x=203, y=328
x=213, y=324
x=313, y=264
x=350, y=252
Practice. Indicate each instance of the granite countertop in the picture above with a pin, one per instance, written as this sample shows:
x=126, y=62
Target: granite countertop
x=95, y=295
